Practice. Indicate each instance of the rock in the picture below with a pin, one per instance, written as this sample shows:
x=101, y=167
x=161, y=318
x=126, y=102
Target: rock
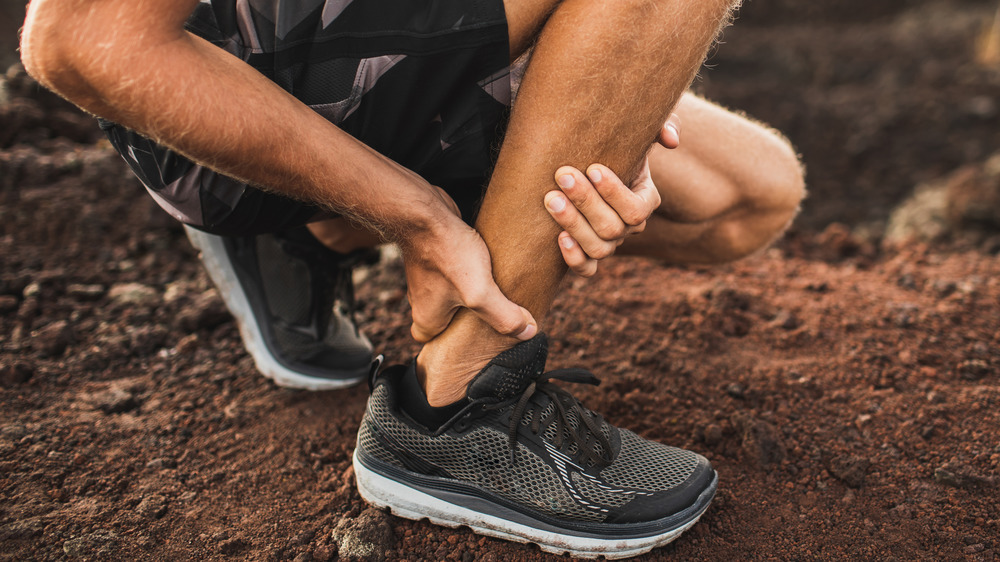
x=736, y=390
x=233, y=546
x=152, y=507
x=22, y=529
x=15, y=373
x=52, y=339
x=921, y=216
x=13, y=432
x=761, y=442
x=135, y=294
x=850, y=470
x=206, y=312
x=85, y=292
x=973, y=369
x=958, y=476
x=713, y=434
x=99, y=544
x=114, y=400
x=161, y=463
x=973, y=196
x=369, y=536
x=786, y=320
x=144, y=340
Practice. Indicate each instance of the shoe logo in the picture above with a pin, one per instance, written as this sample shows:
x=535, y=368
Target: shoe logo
x=565, y=467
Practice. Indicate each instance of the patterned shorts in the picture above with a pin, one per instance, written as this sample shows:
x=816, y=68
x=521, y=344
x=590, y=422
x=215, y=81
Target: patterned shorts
x=424, y=82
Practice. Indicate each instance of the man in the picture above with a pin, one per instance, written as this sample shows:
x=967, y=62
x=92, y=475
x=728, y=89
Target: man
x=308, y=126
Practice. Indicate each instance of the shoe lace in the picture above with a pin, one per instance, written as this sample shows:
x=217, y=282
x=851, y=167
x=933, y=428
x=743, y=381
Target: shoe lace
x=586, y=435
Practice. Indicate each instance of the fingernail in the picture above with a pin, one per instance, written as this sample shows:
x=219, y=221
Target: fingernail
x=566, y=242
x=594, y=174
x=557, y=204
x=528, y=333
x=677, y=134
x=566, y=180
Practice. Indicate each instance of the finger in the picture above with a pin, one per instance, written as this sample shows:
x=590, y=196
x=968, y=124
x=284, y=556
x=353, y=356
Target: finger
x=670, y=133
x=633, y=206
x=574, y=256
x=573, y=222
x=501, y=314
x=599, y=212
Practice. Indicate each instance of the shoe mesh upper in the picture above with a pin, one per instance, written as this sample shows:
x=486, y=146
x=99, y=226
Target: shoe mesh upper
x=481, y=456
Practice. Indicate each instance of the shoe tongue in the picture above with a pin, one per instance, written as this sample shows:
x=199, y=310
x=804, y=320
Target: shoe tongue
x=509, y=373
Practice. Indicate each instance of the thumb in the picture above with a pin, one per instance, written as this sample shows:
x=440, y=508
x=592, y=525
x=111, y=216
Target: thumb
x=506, y=317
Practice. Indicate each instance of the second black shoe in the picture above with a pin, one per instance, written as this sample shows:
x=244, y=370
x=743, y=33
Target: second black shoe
x=292, y=299
x=521, y=459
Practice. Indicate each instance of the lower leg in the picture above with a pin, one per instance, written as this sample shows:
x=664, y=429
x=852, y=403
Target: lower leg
x=585, y=98
x=729, y=189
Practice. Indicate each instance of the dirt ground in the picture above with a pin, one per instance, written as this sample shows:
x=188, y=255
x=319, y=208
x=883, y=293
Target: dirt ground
x=846, y=390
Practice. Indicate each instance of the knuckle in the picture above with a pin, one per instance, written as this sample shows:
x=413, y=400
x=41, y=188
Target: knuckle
x=613, y=231
x=602, y=251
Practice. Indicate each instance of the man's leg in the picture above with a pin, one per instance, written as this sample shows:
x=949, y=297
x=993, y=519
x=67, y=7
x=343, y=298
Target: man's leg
x=730, y=188
x=587, y=97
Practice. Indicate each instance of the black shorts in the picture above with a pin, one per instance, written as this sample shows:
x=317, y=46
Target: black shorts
x=424, y=82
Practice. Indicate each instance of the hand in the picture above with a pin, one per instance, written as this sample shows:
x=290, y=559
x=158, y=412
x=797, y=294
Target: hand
x=598, y=211
x=450, y=268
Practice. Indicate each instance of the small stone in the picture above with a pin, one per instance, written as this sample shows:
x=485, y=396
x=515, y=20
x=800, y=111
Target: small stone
x=713, y=434
x=161, y=463
x=32, y=289
x=368, y=536
x=152, y=507
x=303, y=557
x=975, y=548
x=85, y=292
x=944, y=288
x=187, y=344
x=850, y=470
x=15, y=373
x=786, y=320
x=973, y=369
x=135, y=294
x=736, y=390
x=8, y=303
x=13, y=432
x=99, y=544
x=232, y=546
x=206, y=312
x=761, y=442
x=113, y=401
x=959, y=477
x=22, y=529
x=53, y=339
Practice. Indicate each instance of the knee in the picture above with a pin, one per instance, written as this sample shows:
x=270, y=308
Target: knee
x=767, y=209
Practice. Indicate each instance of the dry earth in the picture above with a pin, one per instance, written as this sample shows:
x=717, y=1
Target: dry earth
x=847, y=390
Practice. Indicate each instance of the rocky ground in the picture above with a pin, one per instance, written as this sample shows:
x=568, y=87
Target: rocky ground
x=845, y=383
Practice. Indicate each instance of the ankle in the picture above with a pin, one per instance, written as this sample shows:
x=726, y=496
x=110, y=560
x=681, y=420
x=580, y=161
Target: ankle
x=445, y=378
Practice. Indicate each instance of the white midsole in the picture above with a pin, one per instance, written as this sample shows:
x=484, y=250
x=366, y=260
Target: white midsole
x=410, y=503
x=224, y=277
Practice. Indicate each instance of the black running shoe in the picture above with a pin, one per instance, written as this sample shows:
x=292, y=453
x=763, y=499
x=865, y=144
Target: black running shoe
x=521, y=459
x=293, y=301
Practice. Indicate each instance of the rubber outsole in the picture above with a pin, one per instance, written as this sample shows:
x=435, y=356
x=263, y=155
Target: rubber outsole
x=409, y=503
x=226, y=281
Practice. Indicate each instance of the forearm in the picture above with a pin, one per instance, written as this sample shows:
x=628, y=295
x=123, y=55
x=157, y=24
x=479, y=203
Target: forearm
x=193, y=97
